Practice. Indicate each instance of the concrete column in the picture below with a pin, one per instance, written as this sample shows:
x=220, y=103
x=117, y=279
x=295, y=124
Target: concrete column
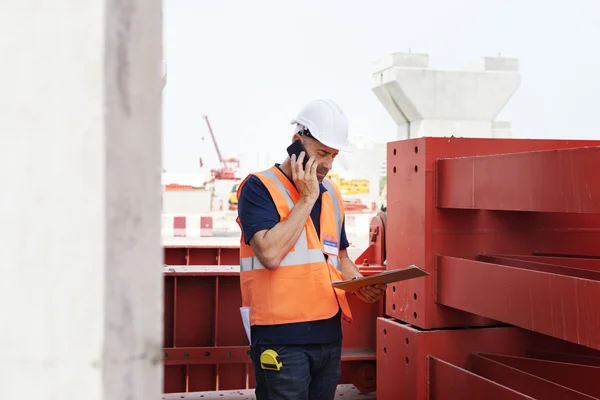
x=461, y=103
x=80, y=246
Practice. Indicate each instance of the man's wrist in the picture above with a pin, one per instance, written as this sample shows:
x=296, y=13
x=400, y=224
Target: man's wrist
x=308, y=201
x=304, y=206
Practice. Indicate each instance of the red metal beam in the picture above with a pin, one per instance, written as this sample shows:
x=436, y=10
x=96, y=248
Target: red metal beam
x=207, y=355
x=523, y=382
x=557, y=305
x=547, y=181
x=582, y=378
x=447, y=381
x=582, y=359
x=591, y=264
x=539, y=266
x=186, y=254
x=239, y=355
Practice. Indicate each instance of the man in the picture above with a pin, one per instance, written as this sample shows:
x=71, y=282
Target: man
x=293, y=246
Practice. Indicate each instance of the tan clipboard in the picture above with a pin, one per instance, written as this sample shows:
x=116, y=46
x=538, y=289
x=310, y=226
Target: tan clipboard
x=386, y=277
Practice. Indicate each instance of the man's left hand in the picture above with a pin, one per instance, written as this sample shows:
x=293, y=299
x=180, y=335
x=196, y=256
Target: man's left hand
x=371, y=293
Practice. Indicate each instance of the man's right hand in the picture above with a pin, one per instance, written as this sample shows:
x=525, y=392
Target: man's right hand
x=305, y=180
x=272, y=245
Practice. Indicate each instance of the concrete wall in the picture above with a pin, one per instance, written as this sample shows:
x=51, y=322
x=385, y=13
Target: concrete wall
x=80, y=162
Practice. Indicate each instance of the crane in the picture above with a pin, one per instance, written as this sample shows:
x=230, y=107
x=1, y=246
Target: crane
x=227, y=171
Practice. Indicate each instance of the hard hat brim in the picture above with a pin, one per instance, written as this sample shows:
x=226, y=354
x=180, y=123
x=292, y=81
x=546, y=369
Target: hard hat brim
x=343, y=148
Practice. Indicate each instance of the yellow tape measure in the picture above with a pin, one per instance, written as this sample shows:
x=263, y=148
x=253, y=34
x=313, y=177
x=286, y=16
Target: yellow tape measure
x=269, y=359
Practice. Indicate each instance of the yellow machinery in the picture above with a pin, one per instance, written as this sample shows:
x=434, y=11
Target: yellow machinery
x=347, y=188
x=350, y=187
x=233, y=200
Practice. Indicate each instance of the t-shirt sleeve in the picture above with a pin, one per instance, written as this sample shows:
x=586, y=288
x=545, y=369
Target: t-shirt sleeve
x=256, y=208
x=343, y=238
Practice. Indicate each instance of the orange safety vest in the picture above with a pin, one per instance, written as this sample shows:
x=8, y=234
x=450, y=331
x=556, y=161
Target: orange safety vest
x=299, y=289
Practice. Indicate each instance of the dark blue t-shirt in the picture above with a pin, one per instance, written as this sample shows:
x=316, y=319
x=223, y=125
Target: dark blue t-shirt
x=257, y=212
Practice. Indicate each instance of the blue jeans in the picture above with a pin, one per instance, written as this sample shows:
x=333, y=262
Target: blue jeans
x=309, y=372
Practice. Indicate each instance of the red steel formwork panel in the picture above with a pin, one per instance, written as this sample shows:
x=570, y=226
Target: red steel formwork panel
x=433, y=209
x=206, y=348
x=509, y=232
x=556, y=192
x=489, y=362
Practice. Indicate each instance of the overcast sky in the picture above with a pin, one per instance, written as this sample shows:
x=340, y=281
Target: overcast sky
x=251, y=65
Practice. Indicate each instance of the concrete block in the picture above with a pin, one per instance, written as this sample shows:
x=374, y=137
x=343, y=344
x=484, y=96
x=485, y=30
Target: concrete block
x=441, y=103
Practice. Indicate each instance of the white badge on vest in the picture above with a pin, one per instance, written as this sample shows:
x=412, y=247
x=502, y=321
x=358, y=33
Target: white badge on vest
x=330, y=245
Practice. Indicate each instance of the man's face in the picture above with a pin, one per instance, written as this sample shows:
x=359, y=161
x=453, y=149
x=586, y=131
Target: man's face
x=324, y=155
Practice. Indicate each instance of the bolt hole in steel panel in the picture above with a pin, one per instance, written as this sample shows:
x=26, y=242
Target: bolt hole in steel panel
x=206, y=347
x=419, y=230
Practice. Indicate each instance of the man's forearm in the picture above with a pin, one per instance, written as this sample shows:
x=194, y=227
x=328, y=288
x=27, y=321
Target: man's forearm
x=272, y=245
x=349, y=269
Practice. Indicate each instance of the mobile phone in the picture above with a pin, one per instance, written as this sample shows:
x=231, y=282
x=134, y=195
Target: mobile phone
x=296, y=148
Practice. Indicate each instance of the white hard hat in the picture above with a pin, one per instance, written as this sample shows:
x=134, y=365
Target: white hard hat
x=326, y=122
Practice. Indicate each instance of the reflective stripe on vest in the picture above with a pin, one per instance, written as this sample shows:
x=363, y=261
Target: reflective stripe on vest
x=336, y=205
x=339, y=219
x=301, y=253
x=299, y=289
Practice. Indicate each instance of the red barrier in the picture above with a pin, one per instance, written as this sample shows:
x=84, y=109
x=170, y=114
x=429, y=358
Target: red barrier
x=206, y=226
x=205, y=342
x=179, y=225
x=192, y=226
